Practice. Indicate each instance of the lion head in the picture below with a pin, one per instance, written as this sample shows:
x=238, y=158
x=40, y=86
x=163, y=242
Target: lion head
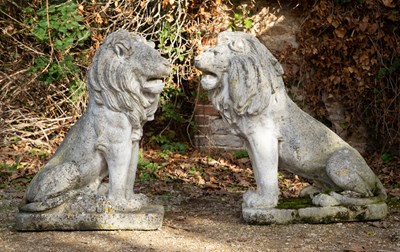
x=239, y=72
x=126, y=76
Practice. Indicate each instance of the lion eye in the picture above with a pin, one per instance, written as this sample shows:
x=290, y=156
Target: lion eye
x=237, y=46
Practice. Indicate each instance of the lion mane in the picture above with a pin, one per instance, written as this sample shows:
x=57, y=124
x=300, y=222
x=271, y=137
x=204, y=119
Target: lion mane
x=250, y=78
x=112, y=82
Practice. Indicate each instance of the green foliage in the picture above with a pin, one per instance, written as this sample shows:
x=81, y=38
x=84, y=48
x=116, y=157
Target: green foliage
x=387, y=158
x=66, y=29
x=146, y=169
x=241, y=18
x=163, y=155
x=211, y=161
x=38, y=153
x=167, y=143
x=169, y=109
x=192, y=170
x=13, y=167
x=241, y=154
x=385, y=72
x=167, y=38
x=170, y=39
x=393, y=202
x=176, y=147
x=61, y=29
x=6, y=171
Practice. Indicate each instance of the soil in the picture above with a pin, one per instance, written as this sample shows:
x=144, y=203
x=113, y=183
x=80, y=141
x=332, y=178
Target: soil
x=198, y=220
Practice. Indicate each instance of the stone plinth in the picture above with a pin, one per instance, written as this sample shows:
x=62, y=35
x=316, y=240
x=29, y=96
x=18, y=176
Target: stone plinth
x=315, y=214
x=147, y=218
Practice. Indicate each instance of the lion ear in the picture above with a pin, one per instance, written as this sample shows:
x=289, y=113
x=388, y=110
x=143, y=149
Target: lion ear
x=238, y=45
x=121, y=48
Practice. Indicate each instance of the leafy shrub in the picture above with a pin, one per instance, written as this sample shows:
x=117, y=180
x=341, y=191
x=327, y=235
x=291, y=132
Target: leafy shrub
x=60, y=29
x=146, y=169
x=168, y=143
x=350, y=52
x=241, y=18
x=240, y=154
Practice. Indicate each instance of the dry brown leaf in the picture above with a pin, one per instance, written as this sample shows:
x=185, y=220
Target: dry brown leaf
x=373, y=28
x=388, y=3
x=98, y=19
x=329, y=19
x=363, y=24
x=340, y=32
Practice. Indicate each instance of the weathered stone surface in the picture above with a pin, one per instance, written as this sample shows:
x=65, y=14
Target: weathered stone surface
x=124, y=83
x=315, y=214
x=231, y=141
x=149, y=217
x=244, y=83
x=221, y=127
x=269, y=216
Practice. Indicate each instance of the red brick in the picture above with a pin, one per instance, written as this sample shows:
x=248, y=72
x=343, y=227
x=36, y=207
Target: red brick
x=199, y=110
x=210, y=110
x=202, y=120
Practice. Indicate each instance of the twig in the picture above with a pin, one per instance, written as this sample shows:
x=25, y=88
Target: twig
x=21, y=44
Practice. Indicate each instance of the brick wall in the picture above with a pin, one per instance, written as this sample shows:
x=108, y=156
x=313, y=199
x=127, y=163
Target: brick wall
x=212, y=131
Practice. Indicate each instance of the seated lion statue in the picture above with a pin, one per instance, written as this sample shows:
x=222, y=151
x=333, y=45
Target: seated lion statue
x=244, y=82
x=124, y=82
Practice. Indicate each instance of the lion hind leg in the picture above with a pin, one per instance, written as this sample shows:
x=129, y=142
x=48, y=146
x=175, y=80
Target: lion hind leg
x=51, y=187
x=348, y=170
x=49, y=203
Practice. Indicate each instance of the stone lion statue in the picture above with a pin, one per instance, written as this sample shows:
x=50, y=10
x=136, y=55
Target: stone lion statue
x=124, y=81
x=244, y=82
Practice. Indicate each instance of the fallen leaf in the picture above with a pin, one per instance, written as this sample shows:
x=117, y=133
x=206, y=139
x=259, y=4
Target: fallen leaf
x=340, y=32
x=388, y=3
x=373, y=28
x=363, y=25
x=329, y=19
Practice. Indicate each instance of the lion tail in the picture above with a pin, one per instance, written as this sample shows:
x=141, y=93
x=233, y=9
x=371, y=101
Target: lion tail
x=380, y=196
x=49, y=203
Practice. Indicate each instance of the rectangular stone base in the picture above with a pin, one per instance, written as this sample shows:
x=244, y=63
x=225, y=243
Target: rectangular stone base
x=148, y=218
x=315, y=214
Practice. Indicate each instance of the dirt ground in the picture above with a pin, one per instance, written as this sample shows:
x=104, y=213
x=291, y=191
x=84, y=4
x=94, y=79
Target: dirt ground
x=204, y=221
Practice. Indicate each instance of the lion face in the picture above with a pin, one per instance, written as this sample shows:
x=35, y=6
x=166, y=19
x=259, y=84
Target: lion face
x=239, y=73
x=215, y=62
x=127, y=75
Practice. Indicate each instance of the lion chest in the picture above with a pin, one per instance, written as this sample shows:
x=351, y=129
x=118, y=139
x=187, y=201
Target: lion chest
x=111, y=127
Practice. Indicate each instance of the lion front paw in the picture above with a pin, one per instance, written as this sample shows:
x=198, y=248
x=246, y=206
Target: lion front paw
x=255, y=200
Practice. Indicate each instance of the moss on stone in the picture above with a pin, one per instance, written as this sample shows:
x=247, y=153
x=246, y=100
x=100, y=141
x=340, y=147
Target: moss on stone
x=295, y=203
